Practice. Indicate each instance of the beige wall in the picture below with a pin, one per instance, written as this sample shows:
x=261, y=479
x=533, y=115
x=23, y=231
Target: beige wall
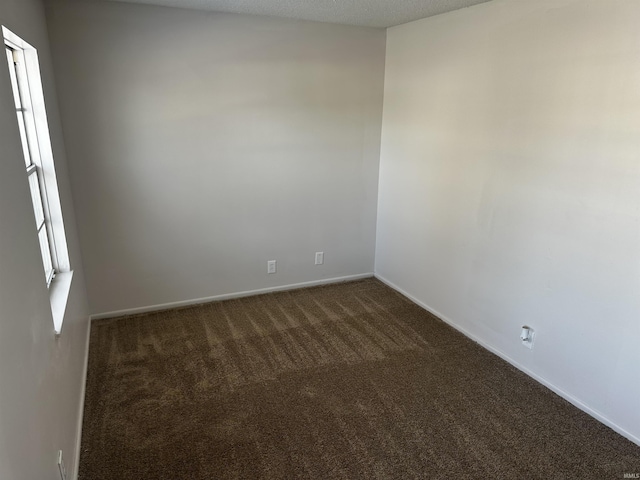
x=40, y=375
x=510, y=186
x=202, y=145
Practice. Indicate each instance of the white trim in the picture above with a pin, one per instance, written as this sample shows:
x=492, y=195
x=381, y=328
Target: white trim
x=227, y=296
x=58, y=296
x=83, y=389
x=44, y=158
x=30, y=89
x=16, y=41
x=568, y=397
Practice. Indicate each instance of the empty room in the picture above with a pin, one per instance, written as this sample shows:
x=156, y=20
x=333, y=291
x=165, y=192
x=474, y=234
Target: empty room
x=319, y=239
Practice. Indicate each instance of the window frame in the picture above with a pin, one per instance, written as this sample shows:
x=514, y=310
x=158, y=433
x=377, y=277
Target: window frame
x=36, y=143
x=33, y=164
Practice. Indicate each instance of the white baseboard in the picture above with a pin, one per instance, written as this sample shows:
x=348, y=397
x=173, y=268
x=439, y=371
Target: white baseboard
x=83, y=389
x=227, y=296
x=568, y=397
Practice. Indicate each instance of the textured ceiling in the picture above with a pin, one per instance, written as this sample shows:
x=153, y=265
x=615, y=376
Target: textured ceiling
x=368, y=13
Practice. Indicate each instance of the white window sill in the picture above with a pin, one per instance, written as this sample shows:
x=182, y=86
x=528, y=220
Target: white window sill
x=58, y=295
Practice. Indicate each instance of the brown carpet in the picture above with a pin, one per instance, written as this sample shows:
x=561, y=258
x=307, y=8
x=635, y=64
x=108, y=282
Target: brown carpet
x=347, y=381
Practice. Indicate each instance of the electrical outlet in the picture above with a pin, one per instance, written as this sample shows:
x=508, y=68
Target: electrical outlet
x=61, y=467
x=271, y=266
x=319, y=258
x=527, y=336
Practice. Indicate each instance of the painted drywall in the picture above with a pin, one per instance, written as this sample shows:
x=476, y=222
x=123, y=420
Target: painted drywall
x=510, y=186
x=202, y=145
x=41, y=375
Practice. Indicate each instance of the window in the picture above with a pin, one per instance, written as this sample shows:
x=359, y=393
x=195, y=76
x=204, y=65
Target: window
x=26, y=124
x=28, y=97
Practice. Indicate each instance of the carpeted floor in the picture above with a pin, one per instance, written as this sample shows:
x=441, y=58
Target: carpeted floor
x=347, y=381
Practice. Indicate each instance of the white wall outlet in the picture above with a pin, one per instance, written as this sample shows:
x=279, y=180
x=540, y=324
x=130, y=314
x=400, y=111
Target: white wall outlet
x=319, y=258
x=271, y=266
x=527, y=336
x=61, y=467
